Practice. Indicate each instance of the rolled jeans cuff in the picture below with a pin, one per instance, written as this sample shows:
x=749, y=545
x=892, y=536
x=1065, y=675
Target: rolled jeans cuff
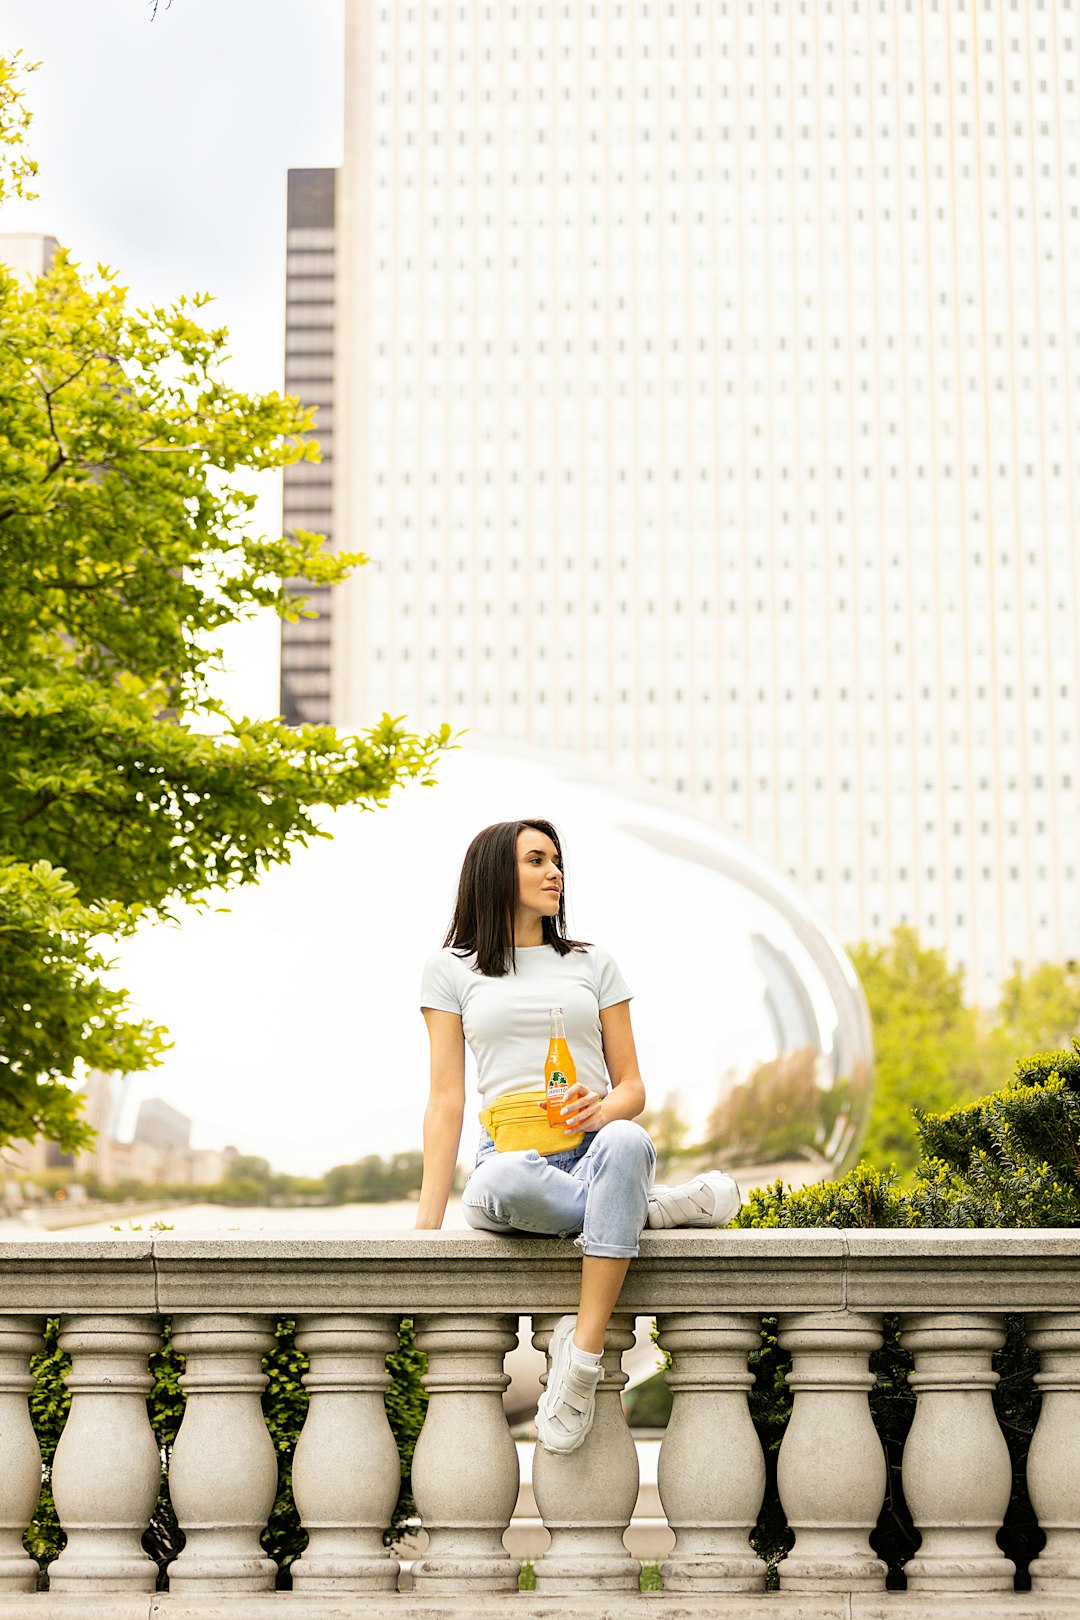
x=605, y=1251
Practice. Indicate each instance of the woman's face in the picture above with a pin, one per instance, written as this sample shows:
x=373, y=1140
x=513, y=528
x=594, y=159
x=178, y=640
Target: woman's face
x=540, y=878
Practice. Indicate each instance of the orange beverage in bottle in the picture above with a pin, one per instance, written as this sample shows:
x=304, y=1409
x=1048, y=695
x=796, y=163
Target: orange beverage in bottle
x=559, y=1071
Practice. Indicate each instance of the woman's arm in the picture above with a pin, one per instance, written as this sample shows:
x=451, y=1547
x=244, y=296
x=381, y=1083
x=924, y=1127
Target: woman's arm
x=626, y=1099
x=443, y=1115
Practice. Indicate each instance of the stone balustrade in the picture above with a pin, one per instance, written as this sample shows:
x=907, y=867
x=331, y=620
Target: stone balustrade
x=466, y=1292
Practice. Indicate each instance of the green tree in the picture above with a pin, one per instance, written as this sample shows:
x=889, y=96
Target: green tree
x=373, y=1180
x=773, y=1114
x=930, y=1049
x=248, y=1180
x=406, y=1173
x=1041, y=1010
x=126, y=550
x=668, y=1130
x=933, y=1052
x=17, y=167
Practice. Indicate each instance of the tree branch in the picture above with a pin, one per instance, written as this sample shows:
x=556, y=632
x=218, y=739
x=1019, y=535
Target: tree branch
x=55, y=389
x=42, y=804
x=61, y=457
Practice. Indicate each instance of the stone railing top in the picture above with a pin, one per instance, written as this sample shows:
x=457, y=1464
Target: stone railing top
x=761, y=1271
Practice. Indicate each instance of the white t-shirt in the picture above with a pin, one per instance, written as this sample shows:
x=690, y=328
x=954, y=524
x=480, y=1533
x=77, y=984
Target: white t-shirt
x=505, y=1020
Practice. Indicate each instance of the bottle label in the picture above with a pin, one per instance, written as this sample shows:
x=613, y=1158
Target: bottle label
x=558, y=1081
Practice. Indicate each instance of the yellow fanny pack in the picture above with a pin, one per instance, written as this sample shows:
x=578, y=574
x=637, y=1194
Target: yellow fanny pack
x=514, y=1122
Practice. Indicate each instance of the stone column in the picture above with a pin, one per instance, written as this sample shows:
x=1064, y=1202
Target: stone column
x=831, y=1466
x=223, y=1472
x=107, y=1469
x=711, y=1473
x=465, y=1470
x=587, y=1499
x=346, y=1471
x=20, y=1454
x=1053, y=1476
x=957, y=1473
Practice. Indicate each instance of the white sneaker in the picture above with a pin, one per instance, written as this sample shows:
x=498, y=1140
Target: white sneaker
x=565, y=1414
x=712, y=1199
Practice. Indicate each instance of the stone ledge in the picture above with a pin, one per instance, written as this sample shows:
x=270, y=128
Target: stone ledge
x=1014, y=1269
x=769, y=1243
x=766, y=1271
x=729, y=1245
x=411, y=1272
x=533, y=1606
x=50, y=1275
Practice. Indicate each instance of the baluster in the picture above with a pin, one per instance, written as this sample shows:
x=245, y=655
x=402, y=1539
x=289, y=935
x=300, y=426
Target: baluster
x=711, y=1473
x=20, y=1454
x=831, y=1467
x=346, y=1470
x=223, y=1471
x=465, y=1470
x=957, y=1472
x=1052, y=1475
x=586, y=1499
x=107, y=1469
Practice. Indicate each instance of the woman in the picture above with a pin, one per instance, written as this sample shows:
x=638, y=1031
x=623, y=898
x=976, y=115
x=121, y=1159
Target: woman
x=505, y=962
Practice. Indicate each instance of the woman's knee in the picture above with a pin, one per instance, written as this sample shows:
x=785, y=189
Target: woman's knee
x=482, y=1219
x=522, y=1193
x=630, y=1141
x=501, y=1179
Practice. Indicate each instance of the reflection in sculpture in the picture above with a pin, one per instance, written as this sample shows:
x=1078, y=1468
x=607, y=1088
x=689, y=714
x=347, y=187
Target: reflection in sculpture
x=781, y=1111
x=800, y=1109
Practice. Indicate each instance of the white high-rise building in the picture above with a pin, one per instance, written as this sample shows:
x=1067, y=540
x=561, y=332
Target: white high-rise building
x=707, y=396
x=26, y=253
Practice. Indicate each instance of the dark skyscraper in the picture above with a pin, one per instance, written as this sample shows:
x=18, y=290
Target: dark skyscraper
x=309, y=374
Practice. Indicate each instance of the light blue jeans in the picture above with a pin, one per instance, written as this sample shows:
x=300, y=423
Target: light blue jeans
x=599, y=1190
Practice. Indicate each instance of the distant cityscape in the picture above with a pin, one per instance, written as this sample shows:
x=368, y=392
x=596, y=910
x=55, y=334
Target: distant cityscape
x=158, y=1155
x=160, y=1164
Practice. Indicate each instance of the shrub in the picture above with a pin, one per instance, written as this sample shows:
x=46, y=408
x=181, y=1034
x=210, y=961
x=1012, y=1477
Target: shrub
x=1009, y=1159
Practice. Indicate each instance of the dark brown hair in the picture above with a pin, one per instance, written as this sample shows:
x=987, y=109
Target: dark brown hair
x=483, y=919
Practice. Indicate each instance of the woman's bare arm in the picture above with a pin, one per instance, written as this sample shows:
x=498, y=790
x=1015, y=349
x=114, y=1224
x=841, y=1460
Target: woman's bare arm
x=443, y=1115
x=626, y=1099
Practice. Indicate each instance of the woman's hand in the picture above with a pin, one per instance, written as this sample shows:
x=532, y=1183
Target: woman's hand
x=580, y=1109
